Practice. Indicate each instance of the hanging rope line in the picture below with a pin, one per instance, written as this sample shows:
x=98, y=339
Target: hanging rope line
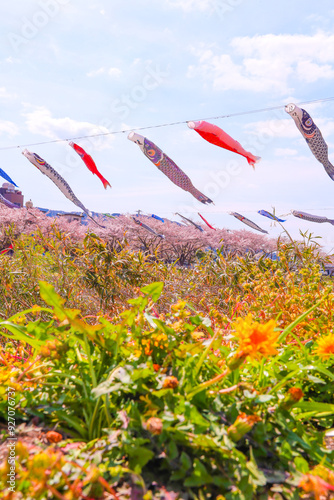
x=241, y=113
x=218, y=212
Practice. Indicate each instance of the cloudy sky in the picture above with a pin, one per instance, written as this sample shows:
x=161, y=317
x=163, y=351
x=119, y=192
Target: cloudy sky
x=72, y=68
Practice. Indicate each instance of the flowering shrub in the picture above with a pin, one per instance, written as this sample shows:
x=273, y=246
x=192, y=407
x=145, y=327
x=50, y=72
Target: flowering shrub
x=179, y=242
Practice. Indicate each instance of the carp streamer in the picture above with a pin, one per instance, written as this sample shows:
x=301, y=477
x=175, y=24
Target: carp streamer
x=58, y=180
x=218, y=137
x=167, y=166
x=89, y=162
x=312, y=135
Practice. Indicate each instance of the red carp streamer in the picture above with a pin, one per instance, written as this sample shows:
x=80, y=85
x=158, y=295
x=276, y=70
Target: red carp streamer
x=89, y=162
x=206, y=222
x=217, y=136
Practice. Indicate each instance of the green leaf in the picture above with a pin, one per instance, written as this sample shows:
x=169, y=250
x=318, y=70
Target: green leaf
x=264, y=398
x=322, y=370
x=199, y=477
x=54, y=300
x=300, y=318
x=153, y=290
x=20, y=333
x=74, y=422
x=196, y=418
x=172, y=450
x=301, y=465
x=258, y=477
x=184, y=467
x=315, y=380
x=314, y=409
x=138, y=456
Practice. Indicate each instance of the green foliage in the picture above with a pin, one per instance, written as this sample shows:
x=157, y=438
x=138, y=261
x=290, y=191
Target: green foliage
x=143, y=377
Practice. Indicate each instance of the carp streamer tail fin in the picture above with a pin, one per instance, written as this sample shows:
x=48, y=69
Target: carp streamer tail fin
x=200, y=196
x=252, y=160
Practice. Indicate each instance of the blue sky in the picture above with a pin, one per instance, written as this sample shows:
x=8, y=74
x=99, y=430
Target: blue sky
x=76, y=67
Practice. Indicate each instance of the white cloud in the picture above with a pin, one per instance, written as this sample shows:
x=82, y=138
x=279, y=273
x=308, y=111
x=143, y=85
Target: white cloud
x=40, y=121
x=112, y=72
x=267, y=63
x=12, y=60
x=325, y=125
x=4, y=94
x=9, y=128
x=311, y=72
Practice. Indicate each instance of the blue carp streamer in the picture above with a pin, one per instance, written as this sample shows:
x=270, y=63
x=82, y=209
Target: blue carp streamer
x=270, y=216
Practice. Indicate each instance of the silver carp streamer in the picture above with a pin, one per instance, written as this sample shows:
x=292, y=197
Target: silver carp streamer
x=148, y=228
x=167, y=166
x=57, y=179
x=190, y=221
x=248, y=222
x=311, y=218
x=312, y=135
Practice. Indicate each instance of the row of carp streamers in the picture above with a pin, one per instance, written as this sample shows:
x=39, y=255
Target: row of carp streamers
x=296, y=213
x=211, y=133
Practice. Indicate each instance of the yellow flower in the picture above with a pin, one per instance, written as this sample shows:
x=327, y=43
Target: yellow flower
x=197, y=336
x=255, y=340
x=177, y=326
x=179, y=309
x=325, y=474
x=325, y=346
x=179, y=306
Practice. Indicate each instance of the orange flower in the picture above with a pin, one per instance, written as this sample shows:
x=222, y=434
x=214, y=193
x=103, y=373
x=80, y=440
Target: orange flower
x=53, y=437
x=296, y=393
x=255, y=340
x=292, y=397
x=242, y=425
x=170, y=383
x=154, y=425
x=316, y=485
x=325, y=346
